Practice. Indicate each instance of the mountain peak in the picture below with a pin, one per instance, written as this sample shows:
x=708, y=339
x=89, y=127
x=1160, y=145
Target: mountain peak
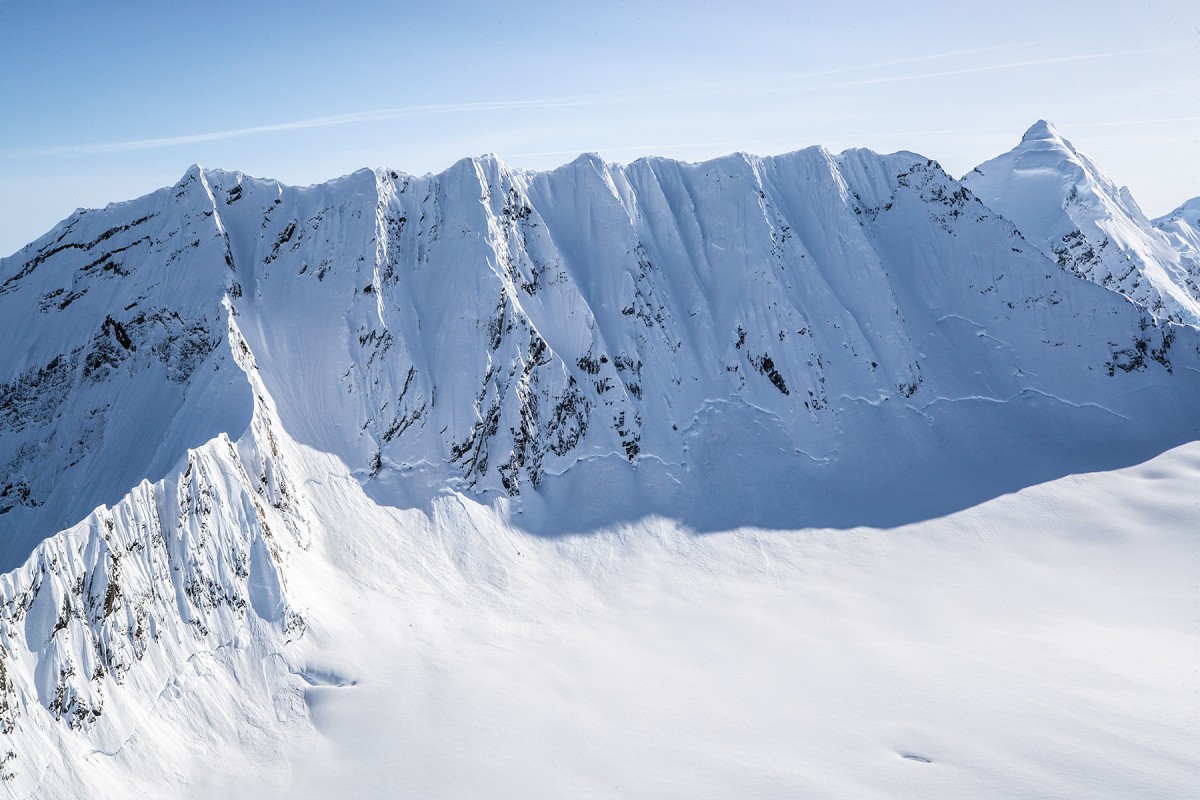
x=1041, y=131
x=193, y=172
x=1061, y=201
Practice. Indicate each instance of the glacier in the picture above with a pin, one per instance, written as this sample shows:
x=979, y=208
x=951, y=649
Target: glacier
x=328, y=484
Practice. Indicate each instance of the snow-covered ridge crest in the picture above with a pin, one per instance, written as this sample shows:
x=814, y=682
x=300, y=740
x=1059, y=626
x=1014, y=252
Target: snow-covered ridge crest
x=488, y=328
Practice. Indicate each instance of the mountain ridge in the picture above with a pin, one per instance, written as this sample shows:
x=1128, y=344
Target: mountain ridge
x=523, y=255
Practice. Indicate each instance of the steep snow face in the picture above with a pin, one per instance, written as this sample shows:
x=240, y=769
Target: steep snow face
x=1064, y=204
x=620, y=330
x=858, y=323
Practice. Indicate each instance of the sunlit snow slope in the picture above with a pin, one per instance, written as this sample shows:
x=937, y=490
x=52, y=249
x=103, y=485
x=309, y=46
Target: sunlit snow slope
x=329, y=485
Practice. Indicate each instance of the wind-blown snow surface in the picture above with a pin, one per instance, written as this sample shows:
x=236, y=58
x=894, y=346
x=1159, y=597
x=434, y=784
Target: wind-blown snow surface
x=404, y=482
x=1040, y=645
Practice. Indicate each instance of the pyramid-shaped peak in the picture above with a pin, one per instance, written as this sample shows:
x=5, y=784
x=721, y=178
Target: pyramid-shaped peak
x=1041, y=131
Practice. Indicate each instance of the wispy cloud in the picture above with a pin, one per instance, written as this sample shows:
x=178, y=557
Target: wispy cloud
x=375, y=115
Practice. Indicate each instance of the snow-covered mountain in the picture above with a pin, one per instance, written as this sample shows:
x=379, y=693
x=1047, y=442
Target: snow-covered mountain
x=1064, y=204
x=233, y=412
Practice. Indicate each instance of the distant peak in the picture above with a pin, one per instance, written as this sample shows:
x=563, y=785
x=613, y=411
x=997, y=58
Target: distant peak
x=1190, y=207
x=1188, y=212
x=1040, y=131
x=589, y=159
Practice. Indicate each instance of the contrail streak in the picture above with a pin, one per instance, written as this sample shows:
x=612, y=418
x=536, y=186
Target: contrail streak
x=375, y=115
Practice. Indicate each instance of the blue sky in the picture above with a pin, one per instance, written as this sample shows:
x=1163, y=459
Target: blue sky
x=104, y=101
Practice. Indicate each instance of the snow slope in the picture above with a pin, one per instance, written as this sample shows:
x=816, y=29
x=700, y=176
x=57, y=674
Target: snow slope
x=1038, y=645
x=1063, y=203
x=356, y=477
